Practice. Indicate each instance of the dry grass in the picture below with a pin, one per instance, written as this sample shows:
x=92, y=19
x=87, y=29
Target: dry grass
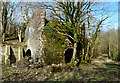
x=100, y=69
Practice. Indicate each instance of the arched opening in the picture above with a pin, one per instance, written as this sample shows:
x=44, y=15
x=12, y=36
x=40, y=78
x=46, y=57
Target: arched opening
x=68, y=55
x=12, y=57
x=28, y=54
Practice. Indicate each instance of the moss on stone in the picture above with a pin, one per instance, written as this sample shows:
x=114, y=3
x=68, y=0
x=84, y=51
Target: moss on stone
x=8, y=62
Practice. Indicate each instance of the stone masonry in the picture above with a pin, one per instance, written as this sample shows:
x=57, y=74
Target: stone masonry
x=34, y=35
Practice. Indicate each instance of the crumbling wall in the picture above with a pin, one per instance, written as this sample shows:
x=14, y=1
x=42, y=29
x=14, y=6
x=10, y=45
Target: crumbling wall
x=34, y=35
x=36, y=23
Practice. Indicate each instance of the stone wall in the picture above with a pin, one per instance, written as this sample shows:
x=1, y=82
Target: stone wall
x=34, y=35
x=10, y=53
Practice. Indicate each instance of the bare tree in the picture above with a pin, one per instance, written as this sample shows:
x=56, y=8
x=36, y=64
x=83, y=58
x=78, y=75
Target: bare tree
x=109, y=43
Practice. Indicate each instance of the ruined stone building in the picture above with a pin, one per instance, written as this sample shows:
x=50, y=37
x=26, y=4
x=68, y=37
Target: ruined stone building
x=34, y=36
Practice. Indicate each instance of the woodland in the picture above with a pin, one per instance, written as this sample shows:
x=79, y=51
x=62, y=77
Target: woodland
x=75, y=39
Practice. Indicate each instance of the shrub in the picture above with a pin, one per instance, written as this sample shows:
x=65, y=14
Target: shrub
x=52, y=59
x=53, y=46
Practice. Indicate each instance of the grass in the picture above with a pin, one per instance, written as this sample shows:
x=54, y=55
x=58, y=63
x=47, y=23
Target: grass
x=112, y=65
x=91, y=80
x=7, y=68
x=108, y=73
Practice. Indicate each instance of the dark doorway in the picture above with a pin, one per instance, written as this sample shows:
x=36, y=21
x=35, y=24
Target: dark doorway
x=12, y=57
x=68, y=55
x=28, y=54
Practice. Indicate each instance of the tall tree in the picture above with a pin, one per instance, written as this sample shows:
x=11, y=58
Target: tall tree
x=73, y=23
x=4, y=19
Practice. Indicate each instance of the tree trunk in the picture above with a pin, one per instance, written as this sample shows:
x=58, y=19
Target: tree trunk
x=74, y=50
x=4, y=22
x=1, y=27
x=83, y=53
x=3, y=37
x=20, y=36
x=9, y=29
x=92, y=52
x=109, y=51
x=87, y=52
x=72, y=62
